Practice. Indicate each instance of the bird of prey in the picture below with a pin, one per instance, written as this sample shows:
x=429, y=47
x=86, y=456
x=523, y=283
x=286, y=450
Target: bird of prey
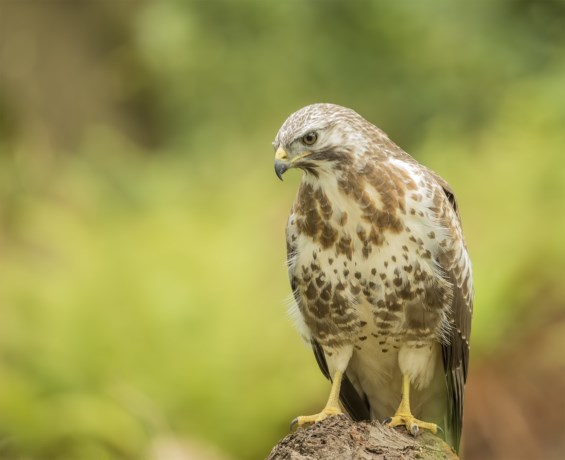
x=379, y=271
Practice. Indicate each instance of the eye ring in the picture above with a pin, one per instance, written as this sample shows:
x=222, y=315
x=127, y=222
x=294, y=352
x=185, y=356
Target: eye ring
x=310, y=138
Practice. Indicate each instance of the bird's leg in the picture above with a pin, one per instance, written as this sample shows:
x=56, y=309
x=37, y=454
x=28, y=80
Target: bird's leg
x=331, y=408
x=403, y=415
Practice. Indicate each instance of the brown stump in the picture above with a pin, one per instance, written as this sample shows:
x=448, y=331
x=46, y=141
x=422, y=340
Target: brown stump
x=341, y=438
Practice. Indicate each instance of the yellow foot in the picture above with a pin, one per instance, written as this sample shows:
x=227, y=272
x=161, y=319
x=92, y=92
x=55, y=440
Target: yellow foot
x=305, y=420
x=411, y=423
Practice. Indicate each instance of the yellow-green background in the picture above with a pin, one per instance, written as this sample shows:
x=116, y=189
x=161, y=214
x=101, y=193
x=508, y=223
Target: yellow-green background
x=142, y=276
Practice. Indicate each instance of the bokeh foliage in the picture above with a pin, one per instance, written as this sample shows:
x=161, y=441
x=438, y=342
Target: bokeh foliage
x=141, y=224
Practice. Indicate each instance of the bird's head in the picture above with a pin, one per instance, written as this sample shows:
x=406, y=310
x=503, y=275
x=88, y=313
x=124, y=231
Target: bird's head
x=318, y=136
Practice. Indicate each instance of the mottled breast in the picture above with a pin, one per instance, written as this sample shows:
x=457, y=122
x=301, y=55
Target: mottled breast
x=363, y=251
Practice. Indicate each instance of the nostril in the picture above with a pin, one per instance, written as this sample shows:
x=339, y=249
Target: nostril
x=281, y=154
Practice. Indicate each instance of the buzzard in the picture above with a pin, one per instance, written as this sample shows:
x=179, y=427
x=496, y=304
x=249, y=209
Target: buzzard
x=379, y=272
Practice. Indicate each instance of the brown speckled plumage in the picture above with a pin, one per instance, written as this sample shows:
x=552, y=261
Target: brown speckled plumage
x=378, y=267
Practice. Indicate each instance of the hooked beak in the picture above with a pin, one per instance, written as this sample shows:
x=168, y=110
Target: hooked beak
x=281, y=162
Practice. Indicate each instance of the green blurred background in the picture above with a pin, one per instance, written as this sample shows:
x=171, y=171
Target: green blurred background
x=143, y=285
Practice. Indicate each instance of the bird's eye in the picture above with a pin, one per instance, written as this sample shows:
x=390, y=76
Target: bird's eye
x=310, y=138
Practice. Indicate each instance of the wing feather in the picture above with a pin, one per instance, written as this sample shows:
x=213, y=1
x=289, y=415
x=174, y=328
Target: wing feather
x=456, y=351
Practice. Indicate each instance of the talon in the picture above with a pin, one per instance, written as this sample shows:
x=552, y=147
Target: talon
x=305, y=420
x=412, y=424
x=294, y=425
x=387, y=420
